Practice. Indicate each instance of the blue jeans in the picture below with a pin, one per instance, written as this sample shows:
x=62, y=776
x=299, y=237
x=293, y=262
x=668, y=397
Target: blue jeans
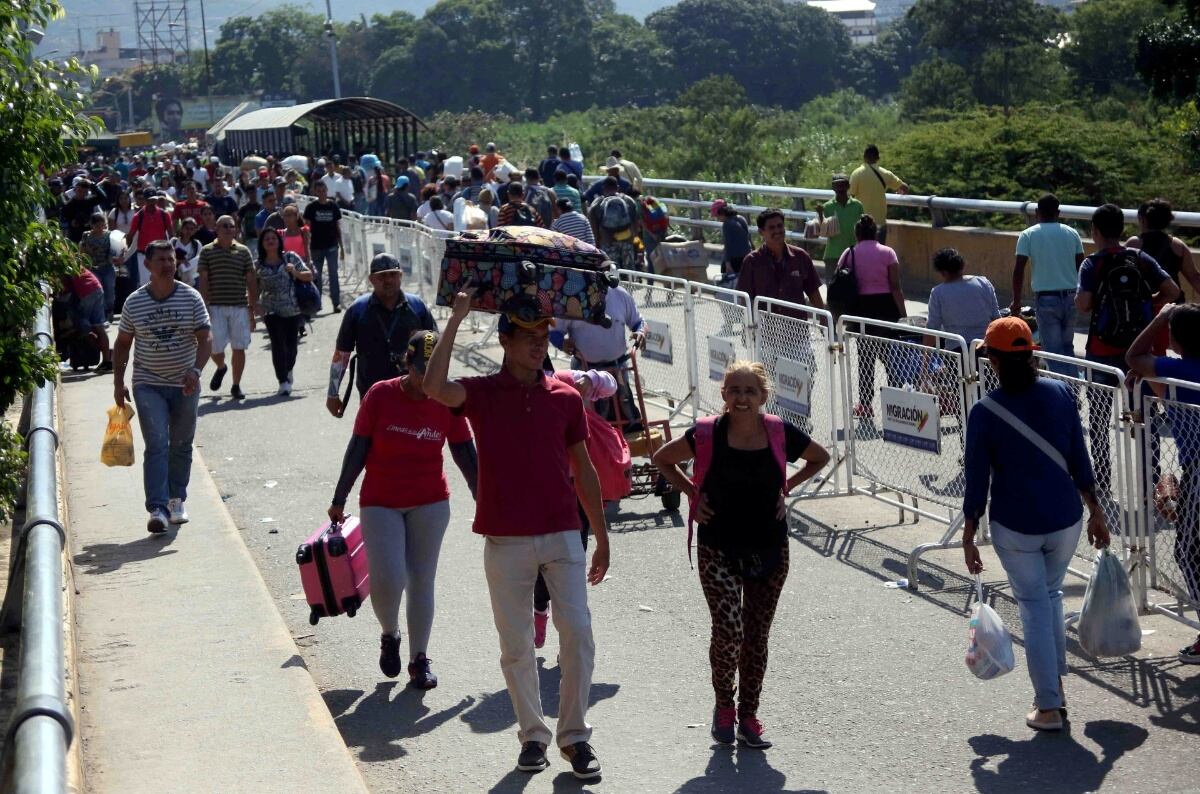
x=1055, y=312
x=108, y=279
x=319, y=257
x=168, y=421
x=1036, y=566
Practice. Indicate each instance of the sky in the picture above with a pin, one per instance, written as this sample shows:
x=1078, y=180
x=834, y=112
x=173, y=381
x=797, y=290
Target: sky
x=85, y=17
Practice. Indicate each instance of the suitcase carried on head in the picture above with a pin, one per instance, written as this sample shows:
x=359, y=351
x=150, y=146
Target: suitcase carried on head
x=333, y=570
x=527, y=270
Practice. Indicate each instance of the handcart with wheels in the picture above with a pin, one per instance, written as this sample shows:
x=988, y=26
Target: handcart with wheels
x=644, y=441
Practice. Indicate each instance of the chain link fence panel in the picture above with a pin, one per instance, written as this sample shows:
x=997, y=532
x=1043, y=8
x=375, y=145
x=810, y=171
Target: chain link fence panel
x=667, y=365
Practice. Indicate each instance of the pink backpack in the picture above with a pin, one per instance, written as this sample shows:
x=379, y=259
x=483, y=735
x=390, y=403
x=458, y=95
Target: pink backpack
x=703, y=439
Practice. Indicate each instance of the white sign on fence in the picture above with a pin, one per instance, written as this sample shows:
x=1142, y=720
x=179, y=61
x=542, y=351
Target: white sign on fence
x=910, y=418
x=720, y=356
x=793, y=385
x=658, y=342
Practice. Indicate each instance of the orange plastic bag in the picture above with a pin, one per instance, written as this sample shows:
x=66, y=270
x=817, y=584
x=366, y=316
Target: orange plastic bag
x=117, y=449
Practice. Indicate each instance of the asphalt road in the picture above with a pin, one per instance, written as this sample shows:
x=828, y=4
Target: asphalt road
x=867, y=690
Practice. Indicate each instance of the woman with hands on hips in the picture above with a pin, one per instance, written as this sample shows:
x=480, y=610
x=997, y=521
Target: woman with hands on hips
x=1025, y=448
x=738, y=497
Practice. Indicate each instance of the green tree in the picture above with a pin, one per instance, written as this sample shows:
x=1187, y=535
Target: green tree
x=1008, y=48
x=40, y=105
x=884, y=63
x=1168, y=57
x=1102, y=49
x=259, y=53
x=936, y=85
x=782, y=53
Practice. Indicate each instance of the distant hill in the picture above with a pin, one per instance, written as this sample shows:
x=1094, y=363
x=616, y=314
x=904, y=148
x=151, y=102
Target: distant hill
x=85, y=17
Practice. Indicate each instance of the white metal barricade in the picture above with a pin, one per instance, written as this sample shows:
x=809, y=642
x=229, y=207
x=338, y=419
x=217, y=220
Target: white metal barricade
x=723, y=328
x=667, y=366
x=1104, y=408
x=1169, y=446
x=796, y=345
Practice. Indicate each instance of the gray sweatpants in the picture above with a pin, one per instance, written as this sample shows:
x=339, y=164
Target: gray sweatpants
x=402, y=552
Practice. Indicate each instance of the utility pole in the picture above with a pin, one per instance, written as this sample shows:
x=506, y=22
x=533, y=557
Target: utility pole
x=333, y=58
x=207, y=74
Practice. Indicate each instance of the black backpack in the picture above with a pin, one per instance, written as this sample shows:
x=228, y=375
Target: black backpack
x=1122, y=299
x=843, y=289
x=522, y=216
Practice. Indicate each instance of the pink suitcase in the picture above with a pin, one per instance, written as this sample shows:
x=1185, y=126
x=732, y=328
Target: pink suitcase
x=333, y=570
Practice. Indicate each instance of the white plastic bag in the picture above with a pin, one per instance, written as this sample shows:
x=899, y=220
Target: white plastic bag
x=1108, y=624
x=989, y=645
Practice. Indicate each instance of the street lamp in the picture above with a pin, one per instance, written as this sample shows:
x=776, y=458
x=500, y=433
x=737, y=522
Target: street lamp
x=333, y=58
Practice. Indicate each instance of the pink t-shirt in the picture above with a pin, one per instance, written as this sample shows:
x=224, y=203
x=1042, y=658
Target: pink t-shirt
x=872, y=262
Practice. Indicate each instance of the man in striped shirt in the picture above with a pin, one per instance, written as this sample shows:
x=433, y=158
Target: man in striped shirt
x=229, y=288
x=572, y=222
x=171, y=327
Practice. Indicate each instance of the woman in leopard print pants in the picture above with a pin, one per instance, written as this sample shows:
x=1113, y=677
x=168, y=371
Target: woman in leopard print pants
x=742, y=543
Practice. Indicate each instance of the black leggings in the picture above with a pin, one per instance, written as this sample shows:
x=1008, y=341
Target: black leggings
x=285, y=338
x=541, y=594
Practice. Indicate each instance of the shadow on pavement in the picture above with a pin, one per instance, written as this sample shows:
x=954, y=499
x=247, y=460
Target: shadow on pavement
x=622, y=522
x=1074, y=767
x=1145, y=682
x=108, y=557
x=740, y=769
x=494, y=713
x=379, y=722
x=219, y=403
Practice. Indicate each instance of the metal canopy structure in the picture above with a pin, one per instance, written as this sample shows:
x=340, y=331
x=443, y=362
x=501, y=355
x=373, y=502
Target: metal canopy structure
x=348, y=124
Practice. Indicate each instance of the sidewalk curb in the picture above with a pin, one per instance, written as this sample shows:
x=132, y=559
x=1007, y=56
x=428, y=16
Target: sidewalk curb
x=76, y=783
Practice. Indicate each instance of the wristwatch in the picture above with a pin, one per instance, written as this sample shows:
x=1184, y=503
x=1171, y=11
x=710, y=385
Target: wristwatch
x=197, y=372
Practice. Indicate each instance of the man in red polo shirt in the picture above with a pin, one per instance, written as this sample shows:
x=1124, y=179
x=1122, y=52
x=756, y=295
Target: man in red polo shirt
x=531, y=433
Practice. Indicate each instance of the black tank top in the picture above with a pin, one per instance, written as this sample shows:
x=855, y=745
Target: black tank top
x=1158, y=245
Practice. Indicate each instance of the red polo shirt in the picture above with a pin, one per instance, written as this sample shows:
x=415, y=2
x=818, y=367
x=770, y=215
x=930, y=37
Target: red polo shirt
x=523, y=434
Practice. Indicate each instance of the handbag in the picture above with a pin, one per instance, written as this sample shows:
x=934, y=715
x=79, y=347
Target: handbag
x=308, y=297
x=843, y=290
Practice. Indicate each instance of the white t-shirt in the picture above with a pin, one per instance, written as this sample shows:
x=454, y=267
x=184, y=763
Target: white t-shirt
x=439, y=219
x=340, y=189
x=200, y=177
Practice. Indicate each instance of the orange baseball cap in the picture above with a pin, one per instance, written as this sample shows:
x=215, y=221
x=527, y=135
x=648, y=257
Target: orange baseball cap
x=1009, y=335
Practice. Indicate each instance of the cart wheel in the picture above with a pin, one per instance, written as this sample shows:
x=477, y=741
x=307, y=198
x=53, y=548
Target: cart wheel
x=351, y=612
x=670, y=501
x=313, y=617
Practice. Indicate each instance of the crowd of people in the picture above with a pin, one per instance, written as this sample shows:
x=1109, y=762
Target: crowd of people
x=208, y=251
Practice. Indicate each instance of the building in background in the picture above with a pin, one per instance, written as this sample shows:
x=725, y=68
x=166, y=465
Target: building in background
x=857, y=15
x=109, y=56
x=887, y=11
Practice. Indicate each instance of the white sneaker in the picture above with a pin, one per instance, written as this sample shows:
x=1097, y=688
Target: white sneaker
x=158, y=522
x=290, y=378
x=178, y=514
x=286, y=387
x=283, y=388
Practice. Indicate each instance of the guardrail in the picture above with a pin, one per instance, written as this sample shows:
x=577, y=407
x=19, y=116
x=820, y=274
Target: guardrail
x=41, y=728
x=937, y=206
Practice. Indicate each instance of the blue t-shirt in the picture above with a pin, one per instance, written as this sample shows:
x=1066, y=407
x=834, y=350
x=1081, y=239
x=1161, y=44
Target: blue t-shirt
x=1089, y=281
x=1030, y=493
x=1185, y=422
x=1052, y=248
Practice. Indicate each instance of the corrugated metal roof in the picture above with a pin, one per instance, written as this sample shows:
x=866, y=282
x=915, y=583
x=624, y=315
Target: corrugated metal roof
x=349, y=109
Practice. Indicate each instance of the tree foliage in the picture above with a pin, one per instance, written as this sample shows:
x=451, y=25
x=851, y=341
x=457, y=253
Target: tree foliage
x=782, y=53
x=40, y=103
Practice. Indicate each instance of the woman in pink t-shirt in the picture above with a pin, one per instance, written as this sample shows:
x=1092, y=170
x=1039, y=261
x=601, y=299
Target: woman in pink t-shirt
x=879, y=298
x=404, y=502
x=295, y=235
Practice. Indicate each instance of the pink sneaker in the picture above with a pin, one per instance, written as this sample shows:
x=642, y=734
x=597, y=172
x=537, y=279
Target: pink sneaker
x=539, y=627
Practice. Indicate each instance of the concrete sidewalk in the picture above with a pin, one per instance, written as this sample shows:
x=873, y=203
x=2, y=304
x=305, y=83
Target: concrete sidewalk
x=190, y=680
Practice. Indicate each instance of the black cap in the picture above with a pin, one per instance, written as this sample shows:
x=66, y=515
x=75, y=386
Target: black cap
x=420, y=348
x=384, y=263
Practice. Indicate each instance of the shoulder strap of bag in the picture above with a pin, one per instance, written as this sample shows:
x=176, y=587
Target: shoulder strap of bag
x=349, y=381
x=878, y=176
x=777, y=438
x=1031, y=435
x=703, y=439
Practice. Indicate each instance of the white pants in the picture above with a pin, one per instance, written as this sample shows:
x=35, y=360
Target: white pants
x=512, y=565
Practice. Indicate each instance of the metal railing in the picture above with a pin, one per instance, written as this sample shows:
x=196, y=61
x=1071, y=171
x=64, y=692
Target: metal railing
x=41, y=728
x=937, y=206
